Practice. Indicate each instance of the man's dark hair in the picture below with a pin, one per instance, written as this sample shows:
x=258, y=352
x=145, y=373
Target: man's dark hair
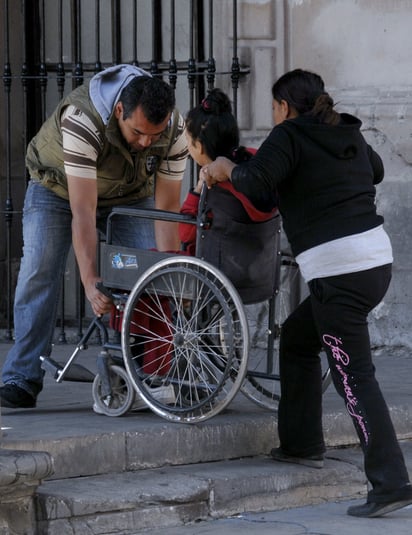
x=154, y=96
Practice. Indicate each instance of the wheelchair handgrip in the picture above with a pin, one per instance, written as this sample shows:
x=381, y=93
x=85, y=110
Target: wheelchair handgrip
x=102, y=288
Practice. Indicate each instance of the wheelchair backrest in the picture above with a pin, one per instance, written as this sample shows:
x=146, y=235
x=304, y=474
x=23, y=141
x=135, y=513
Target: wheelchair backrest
x=246, y=251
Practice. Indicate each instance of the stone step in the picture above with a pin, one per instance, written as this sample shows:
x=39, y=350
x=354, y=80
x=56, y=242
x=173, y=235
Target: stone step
x=82, y=443
x=108, y=445
x=134, y=501
x=105, y=469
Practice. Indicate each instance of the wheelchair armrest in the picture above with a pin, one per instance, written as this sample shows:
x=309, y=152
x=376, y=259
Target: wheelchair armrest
x=147, y=213
x=152, y=213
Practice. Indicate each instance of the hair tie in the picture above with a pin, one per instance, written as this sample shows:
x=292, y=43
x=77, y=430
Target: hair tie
x=205, y=104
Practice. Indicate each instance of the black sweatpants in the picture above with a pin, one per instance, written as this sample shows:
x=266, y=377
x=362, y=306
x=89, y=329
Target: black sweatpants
x=334, y=317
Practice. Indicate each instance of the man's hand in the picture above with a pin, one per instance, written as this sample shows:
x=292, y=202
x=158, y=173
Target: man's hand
x=100, y=303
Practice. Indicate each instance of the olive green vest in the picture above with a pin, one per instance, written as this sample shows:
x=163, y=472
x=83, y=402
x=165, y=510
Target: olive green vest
x=121, y=179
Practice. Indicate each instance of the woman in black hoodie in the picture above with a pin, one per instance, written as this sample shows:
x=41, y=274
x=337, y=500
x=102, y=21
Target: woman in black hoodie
x=317, y=166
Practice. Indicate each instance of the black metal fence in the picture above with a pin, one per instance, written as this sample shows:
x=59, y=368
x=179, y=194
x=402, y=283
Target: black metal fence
x=51, y=46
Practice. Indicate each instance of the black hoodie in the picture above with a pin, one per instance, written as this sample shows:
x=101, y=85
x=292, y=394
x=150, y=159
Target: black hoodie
x=323, y=175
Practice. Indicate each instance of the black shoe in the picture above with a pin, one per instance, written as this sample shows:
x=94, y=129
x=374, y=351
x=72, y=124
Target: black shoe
x=373, y=509
x=313, y=461
x=14, y=397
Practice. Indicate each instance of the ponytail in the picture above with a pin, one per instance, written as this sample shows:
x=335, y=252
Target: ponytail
x=323, y=110
x=305, y=92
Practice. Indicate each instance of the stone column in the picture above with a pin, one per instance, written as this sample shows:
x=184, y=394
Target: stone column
x=21, y=472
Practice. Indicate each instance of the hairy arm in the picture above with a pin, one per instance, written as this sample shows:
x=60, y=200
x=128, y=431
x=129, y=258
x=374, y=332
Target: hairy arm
x=83, y=203
x=167, y=197
x=81, y=144
x=168, y=189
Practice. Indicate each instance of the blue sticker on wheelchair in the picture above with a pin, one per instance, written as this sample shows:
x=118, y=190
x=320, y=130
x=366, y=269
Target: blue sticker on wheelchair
x=124, y=261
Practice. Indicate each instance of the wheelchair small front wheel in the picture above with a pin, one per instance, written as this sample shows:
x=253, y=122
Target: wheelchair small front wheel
x=122, y=395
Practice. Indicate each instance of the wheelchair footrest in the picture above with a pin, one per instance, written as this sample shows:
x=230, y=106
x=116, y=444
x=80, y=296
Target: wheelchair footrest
x=76, y=372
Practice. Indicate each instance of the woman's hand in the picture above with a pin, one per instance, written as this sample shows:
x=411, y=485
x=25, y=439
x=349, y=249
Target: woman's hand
x=218, y=171
x=198, y=188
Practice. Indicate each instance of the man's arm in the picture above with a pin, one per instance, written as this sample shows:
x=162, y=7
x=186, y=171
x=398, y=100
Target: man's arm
x=168, y=188
x=167, y=197
x=81, y=144
x=83, y=202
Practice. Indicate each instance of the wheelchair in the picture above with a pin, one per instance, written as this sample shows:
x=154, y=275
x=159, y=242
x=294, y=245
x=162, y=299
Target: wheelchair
x=193, y=330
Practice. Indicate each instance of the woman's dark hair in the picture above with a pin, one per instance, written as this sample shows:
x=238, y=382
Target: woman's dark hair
x=305, y=91
x=213, y=124
x=156, y=98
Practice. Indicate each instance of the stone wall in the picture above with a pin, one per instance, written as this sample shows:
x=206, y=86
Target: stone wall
x=362, y=50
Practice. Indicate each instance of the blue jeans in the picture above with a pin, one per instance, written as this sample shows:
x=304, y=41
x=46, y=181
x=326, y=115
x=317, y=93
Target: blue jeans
x=47, y=238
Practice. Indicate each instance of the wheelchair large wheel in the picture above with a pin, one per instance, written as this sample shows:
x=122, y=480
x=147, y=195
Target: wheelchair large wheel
x=185, y=339
x=262, y=382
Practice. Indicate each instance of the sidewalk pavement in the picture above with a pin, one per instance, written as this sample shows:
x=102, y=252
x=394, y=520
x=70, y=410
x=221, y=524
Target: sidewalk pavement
x=64, y=424
x=65, y=409
x=326, y=519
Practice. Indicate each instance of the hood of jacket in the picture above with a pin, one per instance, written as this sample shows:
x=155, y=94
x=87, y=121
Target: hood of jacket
x=105, y=87
x=341, y=141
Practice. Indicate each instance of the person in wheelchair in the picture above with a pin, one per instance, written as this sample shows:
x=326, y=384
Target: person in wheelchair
x=325, y=174
x=235, y=234
x=116, y=140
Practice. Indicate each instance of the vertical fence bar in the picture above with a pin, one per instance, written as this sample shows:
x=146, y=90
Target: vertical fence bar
x=156, y=36
x=60, y=76
x=8, y=209
x=191, y=79
x=172, y=61
x=43, y=69
x=78, y=79
x=199, y=39
x=34, y=112
x=60, y=64
x=135, y=60
x=78, y=74
x=235, y=69
x=97, y=64
x=97, y=68
x=191, y=66
x=116, y=32
x=211, y=64
x=25, y=76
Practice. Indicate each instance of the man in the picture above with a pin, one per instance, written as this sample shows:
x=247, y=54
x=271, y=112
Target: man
x=118, y=140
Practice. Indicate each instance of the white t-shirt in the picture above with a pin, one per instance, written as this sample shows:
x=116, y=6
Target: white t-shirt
x=350, y=254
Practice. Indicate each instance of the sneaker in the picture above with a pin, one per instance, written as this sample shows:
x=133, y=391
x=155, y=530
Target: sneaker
x=14, y=397
x=373, y=509
x=163, y=394
x=97, y=409
x=313, y=461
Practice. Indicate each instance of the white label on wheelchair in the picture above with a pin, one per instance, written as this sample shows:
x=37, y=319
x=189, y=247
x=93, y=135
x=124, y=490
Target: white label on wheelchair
x=123, y=261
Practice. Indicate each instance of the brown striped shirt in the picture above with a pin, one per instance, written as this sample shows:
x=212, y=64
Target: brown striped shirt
x=82, y=143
